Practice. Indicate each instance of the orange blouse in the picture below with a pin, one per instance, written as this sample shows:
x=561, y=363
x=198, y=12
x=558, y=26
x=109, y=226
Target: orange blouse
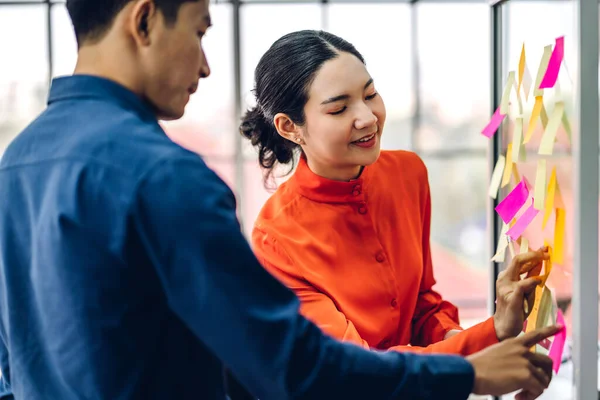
x=357, y=256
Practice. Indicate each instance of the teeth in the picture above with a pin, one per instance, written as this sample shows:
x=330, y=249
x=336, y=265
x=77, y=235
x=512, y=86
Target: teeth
x=366, y=139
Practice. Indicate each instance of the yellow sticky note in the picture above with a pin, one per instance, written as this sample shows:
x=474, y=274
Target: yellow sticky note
x=506, y=94
x=567, y=126
x=558, y=200
x=544, y=116
x=542, y=70
x=549, y=207
x=502, y=244
x=524, y=245
x=547, y=143
x=535, y=114
x=559, y=236
x=540, y=185
x=533, y=316
x=497, y=177
x=547, y=264
x=515, y=174
x=521, y=67
x=508, y=167
x=527, y=83
x=517, y=140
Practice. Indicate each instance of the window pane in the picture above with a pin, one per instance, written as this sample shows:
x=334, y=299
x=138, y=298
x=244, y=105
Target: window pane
x=458, y=233
x=454, y=75
x=261, y=25
x=24, y=68
x=208, y=126
x=552, y=19
x=390, y=67
x=64, y=46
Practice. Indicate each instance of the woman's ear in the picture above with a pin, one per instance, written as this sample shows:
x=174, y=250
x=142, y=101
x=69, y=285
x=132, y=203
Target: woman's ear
x=287, y=128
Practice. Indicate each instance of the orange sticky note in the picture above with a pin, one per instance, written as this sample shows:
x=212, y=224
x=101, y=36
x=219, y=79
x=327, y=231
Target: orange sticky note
x=549, y=206
x=521, y=67
x=508, y=166
x=535, y=114
x=547, y=264
x=559, y=236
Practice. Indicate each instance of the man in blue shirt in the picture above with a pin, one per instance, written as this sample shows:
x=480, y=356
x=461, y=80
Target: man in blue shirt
x=124, y=274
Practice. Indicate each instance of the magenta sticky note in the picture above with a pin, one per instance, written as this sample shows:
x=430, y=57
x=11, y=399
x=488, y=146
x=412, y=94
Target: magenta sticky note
x=522, y=223
x=494, y=123
x=512, y=203
x=558, y=345
x=554, y=64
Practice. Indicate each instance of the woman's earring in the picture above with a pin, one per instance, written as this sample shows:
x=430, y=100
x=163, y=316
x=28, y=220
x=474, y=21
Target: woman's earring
x=298, y=140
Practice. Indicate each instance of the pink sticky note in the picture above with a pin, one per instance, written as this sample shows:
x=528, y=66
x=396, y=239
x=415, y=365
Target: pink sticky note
x=494, y=123
x=522, y=223
x=558, y=345
x=554, y=63
x=512, y=203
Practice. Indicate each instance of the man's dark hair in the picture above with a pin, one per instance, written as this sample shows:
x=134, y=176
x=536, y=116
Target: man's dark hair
x=92, y=18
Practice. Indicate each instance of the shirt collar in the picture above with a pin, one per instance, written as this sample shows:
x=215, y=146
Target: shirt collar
x=320, y=189
x=95, y=87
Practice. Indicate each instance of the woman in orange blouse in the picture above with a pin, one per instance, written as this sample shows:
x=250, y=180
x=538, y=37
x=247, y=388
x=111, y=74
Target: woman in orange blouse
x=349, y=231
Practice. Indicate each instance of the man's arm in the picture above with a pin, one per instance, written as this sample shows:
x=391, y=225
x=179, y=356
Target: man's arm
x=187, y=222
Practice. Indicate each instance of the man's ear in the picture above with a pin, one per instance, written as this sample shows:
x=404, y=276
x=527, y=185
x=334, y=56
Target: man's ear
x=142, y=20
x=288, y=129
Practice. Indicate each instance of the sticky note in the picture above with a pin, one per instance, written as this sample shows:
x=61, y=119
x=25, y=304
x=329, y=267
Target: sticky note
x=508, y=167
x=518, y=152
x=559, y=236
x=549, y=206
x=532, y=319
x=545, y=307
x=535, y=114
x=558, y=200
x=567, y=126
x=494, y=123
x=539, y=193
x=547, y=143
x=513, y=202
x=544, y=116
x=497, y=177
x=527, y=82
x=502, y=245
x=524, y=246
x=510, y=248
x=547, y=264
x=522, y=223
x=542, y=70
x=521, y=67
x=510, y=82
x=515, y=173
x=558, y=344
x=554, y=64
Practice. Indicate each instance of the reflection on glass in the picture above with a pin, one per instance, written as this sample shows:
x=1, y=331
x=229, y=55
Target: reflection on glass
x=552, y=19
x=261, y=25
x=459, y=232
x=390, y=67
x=454, y=75
x=208, y=126
x=24, y=68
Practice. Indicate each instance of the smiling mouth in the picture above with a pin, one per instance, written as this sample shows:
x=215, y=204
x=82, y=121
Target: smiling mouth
x=366, y=138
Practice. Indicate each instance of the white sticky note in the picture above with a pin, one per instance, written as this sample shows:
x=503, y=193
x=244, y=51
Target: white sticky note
x=540, y=186
x=542, y=70
x=502, y=244
x=547, y=142
x=517, y=151
x=524, y=245
x=510, y=83
x=497, y=177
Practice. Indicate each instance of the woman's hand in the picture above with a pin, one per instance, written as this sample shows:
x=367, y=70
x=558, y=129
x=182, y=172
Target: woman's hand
x=511, y=292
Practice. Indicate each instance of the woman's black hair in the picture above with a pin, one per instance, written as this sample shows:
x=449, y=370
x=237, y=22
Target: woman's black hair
x=282, y=80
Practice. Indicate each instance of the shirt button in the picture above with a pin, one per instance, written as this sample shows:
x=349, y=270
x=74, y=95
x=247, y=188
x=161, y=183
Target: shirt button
x=380, y=258
x=394, y=303
x=362, y=210
x=356, y=191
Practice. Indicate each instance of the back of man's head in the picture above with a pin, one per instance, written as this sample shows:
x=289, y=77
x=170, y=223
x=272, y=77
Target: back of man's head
x=93, y=18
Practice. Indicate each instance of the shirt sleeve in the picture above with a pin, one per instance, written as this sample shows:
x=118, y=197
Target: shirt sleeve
x=5, y=390
x=186, y=220
x=433, y=316
x=321, y=309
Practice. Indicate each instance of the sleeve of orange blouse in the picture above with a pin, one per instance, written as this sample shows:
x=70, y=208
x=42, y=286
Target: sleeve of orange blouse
x=434, y=316
x=314, y=305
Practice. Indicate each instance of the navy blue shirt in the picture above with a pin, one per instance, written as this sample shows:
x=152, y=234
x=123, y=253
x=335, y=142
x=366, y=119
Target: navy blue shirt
x=124, y=275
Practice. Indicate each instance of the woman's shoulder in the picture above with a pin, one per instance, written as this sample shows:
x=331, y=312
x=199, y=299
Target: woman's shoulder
x=407, y=163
